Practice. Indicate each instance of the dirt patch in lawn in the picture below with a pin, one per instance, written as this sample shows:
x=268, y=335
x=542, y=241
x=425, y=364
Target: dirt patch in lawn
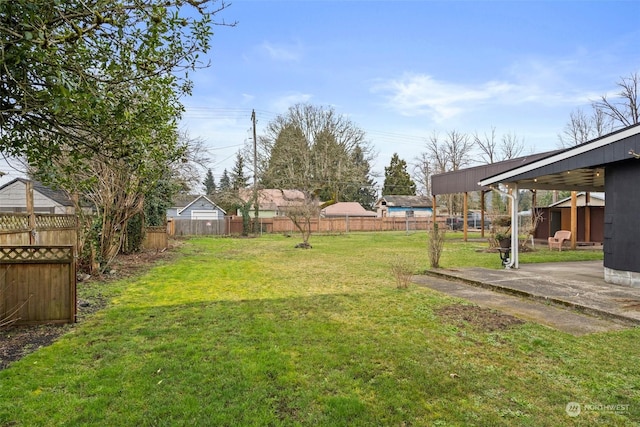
x=18, y=341
x=482, y=318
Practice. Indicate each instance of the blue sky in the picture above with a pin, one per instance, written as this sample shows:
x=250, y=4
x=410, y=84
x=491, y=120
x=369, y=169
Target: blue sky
x=401, y=70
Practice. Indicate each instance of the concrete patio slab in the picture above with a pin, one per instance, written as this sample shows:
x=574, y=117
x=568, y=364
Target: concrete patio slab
x=544, y=292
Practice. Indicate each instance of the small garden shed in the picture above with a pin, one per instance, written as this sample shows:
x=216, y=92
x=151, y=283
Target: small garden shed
x=590, y=218
x=196, y=208
x=404, y=206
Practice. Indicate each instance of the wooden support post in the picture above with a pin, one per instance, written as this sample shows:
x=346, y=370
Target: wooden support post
x=533, y=207
x=482, y=194
x=574, y=219
x=587, y=217
x=465, y=205
x=31, y=212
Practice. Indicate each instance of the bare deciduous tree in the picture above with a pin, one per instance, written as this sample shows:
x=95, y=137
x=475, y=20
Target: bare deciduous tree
x=488, y=145
x=451, y=153
x=581, y=127
x=510, y=146
x=623, y=109
x=422, y=172
x=458, y=147
x=311, y=149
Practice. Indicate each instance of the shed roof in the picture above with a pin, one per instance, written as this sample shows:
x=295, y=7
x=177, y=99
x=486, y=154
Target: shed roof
x=406, y=201
x=566, y=202
x=347, y=209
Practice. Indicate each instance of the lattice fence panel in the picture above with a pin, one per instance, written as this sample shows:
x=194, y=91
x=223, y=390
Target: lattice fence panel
x=55, y=221
x=33, y=254
x=14, y=222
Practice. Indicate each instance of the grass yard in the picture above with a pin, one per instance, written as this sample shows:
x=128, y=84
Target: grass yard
x=252, y=332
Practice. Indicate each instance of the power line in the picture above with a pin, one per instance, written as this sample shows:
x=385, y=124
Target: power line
x=221, y=113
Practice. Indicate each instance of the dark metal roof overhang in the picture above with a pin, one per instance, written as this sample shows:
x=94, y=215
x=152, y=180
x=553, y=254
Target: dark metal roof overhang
x=580, y=168
x=468, y=179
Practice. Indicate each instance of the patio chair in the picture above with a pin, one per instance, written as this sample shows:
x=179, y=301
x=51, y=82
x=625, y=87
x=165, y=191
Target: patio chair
x=558, y=239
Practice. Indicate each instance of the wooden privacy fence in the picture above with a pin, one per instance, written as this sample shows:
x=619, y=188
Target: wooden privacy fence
x=37, y=284
x=155, y=238
x=40, y=229
x=348, y=224
x=199, y=227
x=233, y=225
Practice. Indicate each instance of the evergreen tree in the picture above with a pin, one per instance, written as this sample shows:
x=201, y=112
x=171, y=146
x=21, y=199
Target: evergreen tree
x=238, y=180
x=225, y=182
x=363, y=190
x=397, y=180
x=209, y=184
x=288, y=155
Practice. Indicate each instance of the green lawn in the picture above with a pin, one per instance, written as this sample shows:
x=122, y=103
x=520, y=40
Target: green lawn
x=252, y=332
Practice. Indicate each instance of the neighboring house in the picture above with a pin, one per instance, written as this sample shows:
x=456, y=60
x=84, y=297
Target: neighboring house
x=346, y=209
x=404, y=206
x=13, y=198
x=194, y=207
x=273, y=202
x=590, y=217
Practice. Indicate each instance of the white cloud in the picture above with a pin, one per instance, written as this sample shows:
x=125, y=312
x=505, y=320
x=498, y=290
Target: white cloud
x=530, y=81
x=284, y=53
x=283, y=103
x=420, y=94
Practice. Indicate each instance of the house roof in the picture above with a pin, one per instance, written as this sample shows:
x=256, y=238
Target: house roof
x=271, y=199
x=347, y=209
x=59, y=196
x=198, y=198
x=581, y=199
x=181, y=200
x=405, y=201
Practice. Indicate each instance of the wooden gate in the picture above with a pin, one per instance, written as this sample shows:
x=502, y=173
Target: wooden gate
x=37, y=284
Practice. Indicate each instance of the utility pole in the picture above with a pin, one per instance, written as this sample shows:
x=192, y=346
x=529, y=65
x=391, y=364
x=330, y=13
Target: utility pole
x=255, y=174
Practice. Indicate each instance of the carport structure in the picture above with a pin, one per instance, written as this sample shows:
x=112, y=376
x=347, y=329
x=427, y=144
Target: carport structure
x=615, y=156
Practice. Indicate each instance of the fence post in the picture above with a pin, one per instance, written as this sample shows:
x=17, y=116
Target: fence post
x=31, y=212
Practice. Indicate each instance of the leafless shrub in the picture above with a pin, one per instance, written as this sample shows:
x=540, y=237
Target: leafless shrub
x=402, y=270
x=435, y=244
x=528, y=228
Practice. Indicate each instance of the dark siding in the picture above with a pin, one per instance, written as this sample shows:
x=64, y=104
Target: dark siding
x=621, y=223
